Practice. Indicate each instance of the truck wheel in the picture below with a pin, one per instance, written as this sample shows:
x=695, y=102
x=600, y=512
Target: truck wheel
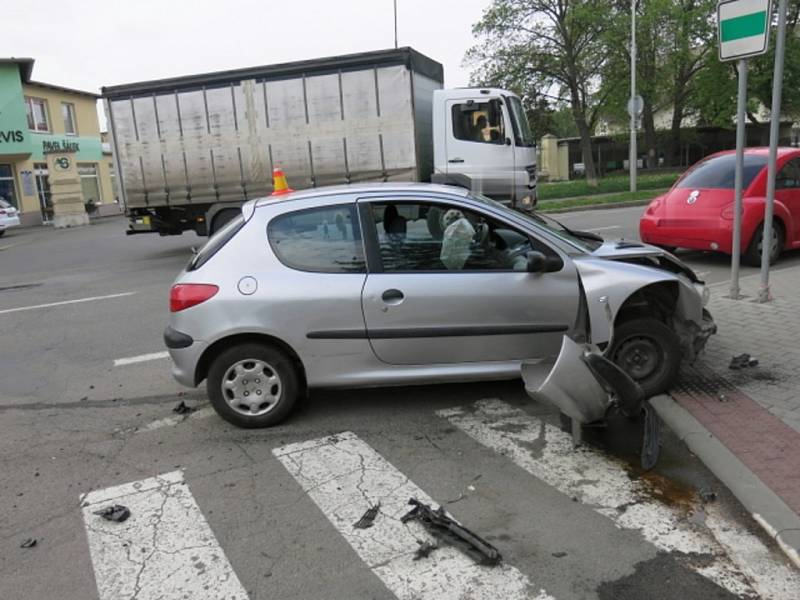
x=222, y=218
x=253, y=385
x=752, y=256
x=648, y=351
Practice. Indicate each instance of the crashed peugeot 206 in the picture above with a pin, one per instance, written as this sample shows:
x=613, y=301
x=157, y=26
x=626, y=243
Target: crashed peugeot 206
x=399, y=284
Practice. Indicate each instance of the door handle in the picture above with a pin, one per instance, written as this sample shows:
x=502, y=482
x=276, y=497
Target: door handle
x=456, y=160
x=392, y=296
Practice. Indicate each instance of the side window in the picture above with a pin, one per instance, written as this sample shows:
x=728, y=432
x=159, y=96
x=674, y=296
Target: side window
x=479, y=122
x=322, y=240
x=420, y=236
x=789, y=176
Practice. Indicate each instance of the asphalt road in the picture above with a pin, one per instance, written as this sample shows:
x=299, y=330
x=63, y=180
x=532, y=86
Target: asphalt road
x=272, y=514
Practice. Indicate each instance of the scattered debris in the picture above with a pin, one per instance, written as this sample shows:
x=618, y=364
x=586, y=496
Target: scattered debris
x=184, y=409
x=368, y=518
x=708, y=495
x=445, y=528
x=559, y=554
x=743, y=361
x=84, y=398
x=425, y=549
x=116, y=513
x=29, y=543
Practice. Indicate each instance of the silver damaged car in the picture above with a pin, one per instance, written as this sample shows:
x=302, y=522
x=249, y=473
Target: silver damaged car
x=397, y=284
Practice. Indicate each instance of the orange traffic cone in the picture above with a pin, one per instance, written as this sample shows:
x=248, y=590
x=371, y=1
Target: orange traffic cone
x=279, y=185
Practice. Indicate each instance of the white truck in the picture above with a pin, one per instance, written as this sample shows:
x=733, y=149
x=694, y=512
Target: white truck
x=189, y=151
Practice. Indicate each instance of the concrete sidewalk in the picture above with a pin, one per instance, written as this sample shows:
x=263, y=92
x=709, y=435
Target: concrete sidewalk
x=745, y=424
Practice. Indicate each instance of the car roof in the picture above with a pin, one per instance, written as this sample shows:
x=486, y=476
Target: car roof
x=388, y=187
x=759, y=151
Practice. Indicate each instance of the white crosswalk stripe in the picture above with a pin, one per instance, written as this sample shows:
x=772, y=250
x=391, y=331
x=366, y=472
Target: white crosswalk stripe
x=165, y=550
x=344, y=476
x=602, y=483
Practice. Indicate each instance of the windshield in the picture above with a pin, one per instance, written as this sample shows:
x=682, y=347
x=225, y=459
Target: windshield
x=719, y=172
x=541, y=221
x=522, y=131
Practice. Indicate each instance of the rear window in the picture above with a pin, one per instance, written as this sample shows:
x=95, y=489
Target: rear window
x=719, y=172
x=321, y=240
x=216, y=241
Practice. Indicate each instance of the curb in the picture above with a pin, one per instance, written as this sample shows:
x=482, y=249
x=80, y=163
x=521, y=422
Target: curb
x=768, y=510
x=605, y=206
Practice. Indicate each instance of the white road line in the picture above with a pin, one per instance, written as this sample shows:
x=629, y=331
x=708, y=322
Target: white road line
x=201, y=413
x=119, y=362
x=165, y=550
x=78, y=301
x=603, y=483
x=344, y=476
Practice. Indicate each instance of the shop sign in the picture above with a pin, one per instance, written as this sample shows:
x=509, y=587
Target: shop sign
x=60, y=146
x=11, y=136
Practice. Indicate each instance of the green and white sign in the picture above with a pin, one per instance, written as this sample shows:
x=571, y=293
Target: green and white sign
x=743, y=28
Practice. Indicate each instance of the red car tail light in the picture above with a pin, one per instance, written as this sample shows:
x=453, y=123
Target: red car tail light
x=727, y=213
x=651, y=208
x=186, y=295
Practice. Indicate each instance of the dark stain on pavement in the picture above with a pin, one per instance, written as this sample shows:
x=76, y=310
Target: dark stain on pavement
x=662, y=578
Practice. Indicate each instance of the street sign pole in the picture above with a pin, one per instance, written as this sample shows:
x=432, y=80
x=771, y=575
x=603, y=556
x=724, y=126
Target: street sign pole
x=774, y=131
x=737, y=206
x=632, y=162
x=743, y=30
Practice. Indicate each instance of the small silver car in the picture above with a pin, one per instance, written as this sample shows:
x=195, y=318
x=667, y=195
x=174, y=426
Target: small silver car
x=396, y=284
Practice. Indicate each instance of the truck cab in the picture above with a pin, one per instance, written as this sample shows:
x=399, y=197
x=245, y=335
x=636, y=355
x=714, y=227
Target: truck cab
x=482, y=141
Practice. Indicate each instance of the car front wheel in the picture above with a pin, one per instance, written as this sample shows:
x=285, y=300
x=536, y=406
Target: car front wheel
x=253, y=385
x=752, y=256
x=648, y=351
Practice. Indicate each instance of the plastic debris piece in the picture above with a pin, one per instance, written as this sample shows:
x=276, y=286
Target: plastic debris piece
x=445, y=528
x=29, y=543
x=708, y=495
x=368, y=518
x=116, y=513
x=559, y=554
x=742, y=361
x=425, y=549
x=183, y=409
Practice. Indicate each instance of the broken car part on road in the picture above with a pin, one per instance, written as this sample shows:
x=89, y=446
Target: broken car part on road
x=443, y=527
x=116, y=513
x=584, y=385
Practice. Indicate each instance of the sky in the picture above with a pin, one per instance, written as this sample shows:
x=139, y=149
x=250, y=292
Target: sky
x=86, y=44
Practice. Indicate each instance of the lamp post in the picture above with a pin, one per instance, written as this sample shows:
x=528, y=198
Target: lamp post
x=395, y=23
x=632, y=158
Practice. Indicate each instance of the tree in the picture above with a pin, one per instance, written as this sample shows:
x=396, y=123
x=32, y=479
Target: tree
x=554, y=47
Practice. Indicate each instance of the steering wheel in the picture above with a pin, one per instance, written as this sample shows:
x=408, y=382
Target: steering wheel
x=481, y=234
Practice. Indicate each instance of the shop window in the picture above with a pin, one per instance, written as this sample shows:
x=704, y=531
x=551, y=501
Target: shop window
x=68, y=114
x=90, y=184
x=37, y=114
x=8, y=190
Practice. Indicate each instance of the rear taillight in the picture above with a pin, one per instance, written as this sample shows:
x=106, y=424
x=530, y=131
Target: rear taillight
x=651, y=208
x=186, y=295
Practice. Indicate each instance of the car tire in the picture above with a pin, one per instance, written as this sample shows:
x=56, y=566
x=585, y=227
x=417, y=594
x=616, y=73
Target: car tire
x=648, y=351
x=274, y=381
x=752, y=256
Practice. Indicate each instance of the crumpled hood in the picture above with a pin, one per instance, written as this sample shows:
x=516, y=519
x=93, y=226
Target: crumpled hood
x=624, y=248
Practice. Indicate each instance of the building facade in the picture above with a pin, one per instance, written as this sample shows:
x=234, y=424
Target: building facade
x=39, y=117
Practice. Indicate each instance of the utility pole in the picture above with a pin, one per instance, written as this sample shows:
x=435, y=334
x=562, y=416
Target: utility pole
x=632, y=158
x=774, y=131
x=736, y=251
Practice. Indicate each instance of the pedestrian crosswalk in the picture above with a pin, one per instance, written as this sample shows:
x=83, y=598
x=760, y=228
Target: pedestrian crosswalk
x=167, y=549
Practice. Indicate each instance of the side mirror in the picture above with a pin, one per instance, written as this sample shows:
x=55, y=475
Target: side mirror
x=539, y=263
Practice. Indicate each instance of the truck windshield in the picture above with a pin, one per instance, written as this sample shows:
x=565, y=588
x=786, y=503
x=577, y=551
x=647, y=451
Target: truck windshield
x=522, y=131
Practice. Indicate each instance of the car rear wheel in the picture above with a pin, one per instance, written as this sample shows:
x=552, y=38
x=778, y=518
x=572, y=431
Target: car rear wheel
x=253, y=385
x=648, y=351
x=752, y=256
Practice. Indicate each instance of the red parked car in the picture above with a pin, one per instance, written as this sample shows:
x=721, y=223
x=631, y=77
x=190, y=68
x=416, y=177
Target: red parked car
x=698, y=211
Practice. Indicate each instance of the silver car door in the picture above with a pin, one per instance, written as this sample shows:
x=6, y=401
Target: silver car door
x=433, y=296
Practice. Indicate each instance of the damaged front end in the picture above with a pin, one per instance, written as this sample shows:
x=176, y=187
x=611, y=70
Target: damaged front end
x=585, y=386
